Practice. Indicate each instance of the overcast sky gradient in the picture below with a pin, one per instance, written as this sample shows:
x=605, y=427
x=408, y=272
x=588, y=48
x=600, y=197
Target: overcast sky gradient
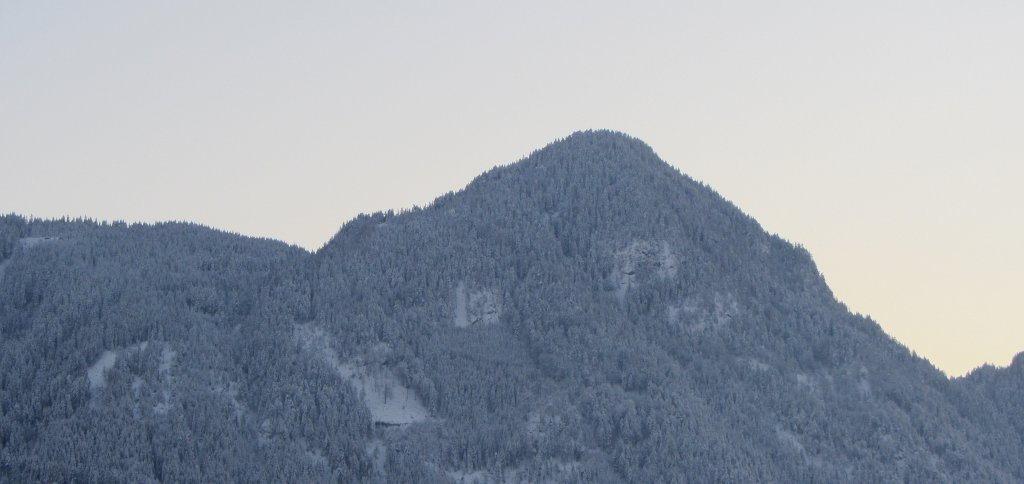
x=887, y=137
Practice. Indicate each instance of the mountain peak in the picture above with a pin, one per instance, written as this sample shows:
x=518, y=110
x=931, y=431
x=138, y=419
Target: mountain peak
x=597, y=159
x=607, y=177
x=602, y=136
x=601, y=145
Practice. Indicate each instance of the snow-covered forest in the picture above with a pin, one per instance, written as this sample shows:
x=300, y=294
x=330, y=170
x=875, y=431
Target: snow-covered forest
x=587, y=314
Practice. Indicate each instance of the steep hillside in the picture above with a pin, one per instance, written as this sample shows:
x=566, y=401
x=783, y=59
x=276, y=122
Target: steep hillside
x=144, y=353
x=654, y=328
x=587, y=314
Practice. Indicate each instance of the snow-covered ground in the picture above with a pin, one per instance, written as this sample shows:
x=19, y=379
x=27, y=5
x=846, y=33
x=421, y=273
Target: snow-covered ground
x=793, y=441
x=639, y=255
x=461, y=312
x=477, y=307
x=389, y=401
x=863, y=385
x=696, y=314
x=672, y=313
x=167, y=357
x=97, y=372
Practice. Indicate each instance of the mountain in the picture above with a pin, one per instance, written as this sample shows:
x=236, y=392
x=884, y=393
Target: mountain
x=587, y=314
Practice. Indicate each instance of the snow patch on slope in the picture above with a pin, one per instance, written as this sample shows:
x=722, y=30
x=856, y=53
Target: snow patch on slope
x=97, y=372
x=673, y=315
x=806, y=381
x=461, y=315
x=789, y=439
x=167, y=357
x=638, y=257
x=624, y=274
x=863, y=385
x=265, y=433
x=726, y=309
x=793, y=442
x=701, y=314
x=476, y=307
x=389, y=401
x=137, y=386
x=667, y=265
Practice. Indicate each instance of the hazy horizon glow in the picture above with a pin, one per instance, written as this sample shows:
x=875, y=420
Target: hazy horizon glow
x=886, y=138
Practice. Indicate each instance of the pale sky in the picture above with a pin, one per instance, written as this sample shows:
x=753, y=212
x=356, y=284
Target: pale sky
x=885, y=136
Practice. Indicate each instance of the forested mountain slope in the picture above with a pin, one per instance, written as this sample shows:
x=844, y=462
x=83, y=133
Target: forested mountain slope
x=587, y=314
x=142, y=353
